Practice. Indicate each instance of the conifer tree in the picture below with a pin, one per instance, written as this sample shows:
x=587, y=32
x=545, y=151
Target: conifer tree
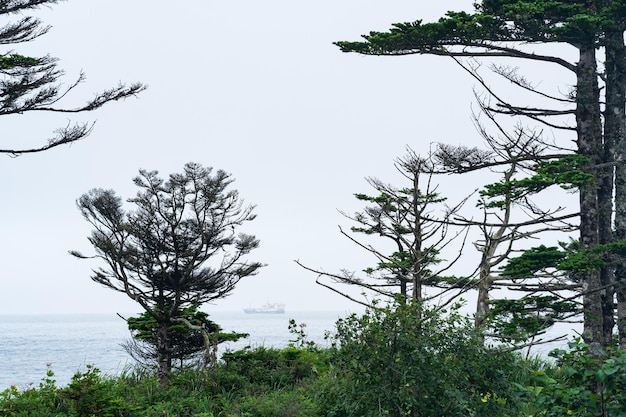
x=178, y=248
x=508, y=29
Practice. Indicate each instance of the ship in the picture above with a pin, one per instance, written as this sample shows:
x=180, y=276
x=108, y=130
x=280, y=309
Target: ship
x=268, y=308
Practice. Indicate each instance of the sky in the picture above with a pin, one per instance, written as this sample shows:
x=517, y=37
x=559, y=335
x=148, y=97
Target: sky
x=253, y=88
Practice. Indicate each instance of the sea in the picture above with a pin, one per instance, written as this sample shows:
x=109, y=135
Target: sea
x=30, y=345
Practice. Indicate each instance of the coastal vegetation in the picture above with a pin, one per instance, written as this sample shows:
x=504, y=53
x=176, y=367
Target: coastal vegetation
x=397, y=360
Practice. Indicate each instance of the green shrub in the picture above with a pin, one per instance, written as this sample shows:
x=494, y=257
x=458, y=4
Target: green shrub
x=408, y=361
x=584, y=385
x=401, y=361
x=89, y=394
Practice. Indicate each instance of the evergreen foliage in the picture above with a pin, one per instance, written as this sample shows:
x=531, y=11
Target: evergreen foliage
x=520, y=320
x=414, y=221
x=564, y=172
x=533, y=260
x=395, y=216
x=194, y=339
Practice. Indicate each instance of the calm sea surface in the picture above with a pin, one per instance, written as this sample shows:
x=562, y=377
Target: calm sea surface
x=29, y=344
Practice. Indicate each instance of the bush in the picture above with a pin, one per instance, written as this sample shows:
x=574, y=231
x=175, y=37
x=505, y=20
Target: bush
x=253, y=382
x=408, y=361
x=585, y=385
x=397, y=361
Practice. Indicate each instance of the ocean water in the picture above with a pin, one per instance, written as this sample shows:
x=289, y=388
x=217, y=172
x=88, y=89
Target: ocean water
x=30, y=344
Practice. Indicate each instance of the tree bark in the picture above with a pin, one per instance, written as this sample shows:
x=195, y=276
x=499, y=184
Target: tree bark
x=615, y=135
x=418, y=264
x=492, y=241
x=485, y=281
x=164, y=353
x=589, y=129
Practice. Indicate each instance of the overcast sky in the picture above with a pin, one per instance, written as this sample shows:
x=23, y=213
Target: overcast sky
x=254, y=88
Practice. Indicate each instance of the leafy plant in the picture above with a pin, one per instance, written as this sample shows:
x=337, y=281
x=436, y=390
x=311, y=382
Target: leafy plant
x=271, y=367
x=301, y=338
x=586, y=385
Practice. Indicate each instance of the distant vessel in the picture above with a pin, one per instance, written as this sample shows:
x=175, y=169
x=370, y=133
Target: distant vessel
x=269, y=308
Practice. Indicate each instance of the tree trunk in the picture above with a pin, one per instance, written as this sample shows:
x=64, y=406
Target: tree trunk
x=604, y=175
x=487, y=262
x=417, y=272
x=590, y=145
x=484, y=286
x=615, y=134
x=164, y=352
x=485, y=278
x=403, y=289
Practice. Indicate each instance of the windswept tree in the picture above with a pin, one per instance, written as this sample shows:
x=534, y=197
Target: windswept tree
x=177, y=249
x=34, y=84
x=421, y=255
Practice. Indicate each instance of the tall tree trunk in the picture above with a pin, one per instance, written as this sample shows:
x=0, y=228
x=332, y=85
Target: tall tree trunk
x=615, y=134
x=590, y=145
x=605, y=178
x=417, y=273
x=403, y=287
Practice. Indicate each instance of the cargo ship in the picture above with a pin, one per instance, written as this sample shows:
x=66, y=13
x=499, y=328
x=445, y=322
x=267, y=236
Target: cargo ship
x=269, y=308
